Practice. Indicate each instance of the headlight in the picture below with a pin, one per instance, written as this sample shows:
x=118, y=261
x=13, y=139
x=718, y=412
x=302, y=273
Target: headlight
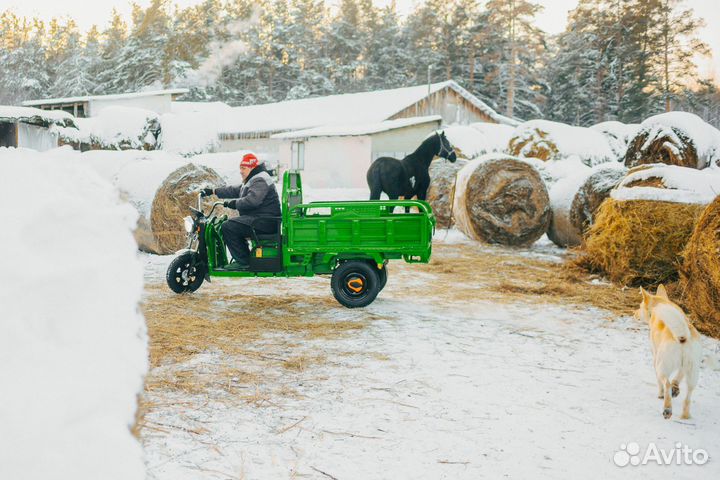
x=188, y=224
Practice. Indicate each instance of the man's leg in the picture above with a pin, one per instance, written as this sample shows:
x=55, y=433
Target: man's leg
x=234, y=234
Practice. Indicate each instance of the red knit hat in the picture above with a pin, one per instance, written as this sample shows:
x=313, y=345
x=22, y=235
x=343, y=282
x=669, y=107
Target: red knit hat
x=249, y=160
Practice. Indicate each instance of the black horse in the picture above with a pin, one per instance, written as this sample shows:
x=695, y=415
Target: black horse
x=408, y=177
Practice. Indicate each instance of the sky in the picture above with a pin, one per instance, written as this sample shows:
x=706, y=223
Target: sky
x=552, y=19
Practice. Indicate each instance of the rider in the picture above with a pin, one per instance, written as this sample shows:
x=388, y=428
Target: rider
x=255, y=200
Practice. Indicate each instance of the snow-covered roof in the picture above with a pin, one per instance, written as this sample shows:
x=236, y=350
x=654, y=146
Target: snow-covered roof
x=200, y=107
x=360, y=129
x=35, y=116
x=357, y=108
x=118, y=96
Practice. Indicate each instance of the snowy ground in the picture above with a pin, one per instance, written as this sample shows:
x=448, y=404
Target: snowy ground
x=432, y=387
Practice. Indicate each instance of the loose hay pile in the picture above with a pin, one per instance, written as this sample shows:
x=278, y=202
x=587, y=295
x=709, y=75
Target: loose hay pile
x=700, y=273
x=501, y=199
x=591, y=195
x=639, y=242
x=676, y=138
x=442, y=188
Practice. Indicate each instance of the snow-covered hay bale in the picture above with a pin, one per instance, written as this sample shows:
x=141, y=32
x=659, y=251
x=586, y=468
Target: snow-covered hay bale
x=501, y=199
x=675, y=138
x=547, y=141
x=73, y=344
x=591, y=194
x=700, y=272
x=641, y=231
x=562, y=231
x=618, y=135
x=442, y=188
x=639, y=242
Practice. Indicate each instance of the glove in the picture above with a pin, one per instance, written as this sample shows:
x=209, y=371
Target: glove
x=206, y=192
x=230, y=203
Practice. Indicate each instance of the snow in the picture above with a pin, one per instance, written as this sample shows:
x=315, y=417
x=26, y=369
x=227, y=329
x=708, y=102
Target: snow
x=496, y=136
x=682, y=184
x=200, y=107
x=591, y=146
x=359, y=129
x=116, y=127
x=439, y=389
x=73, y=345
x=470, y=141
x=118, y=96
x=618, y=135
x=36, y=116
x=362, y=108
x=704, y=136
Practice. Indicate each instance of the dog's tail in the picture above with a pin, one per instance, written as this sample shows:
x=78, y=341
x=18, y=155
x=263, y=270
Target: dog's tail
x=678, y=326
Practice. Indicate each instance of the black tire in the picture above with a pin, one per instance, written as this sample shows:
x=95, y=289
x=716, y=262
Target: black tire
x=382, y=274
x=181, y=278
x=355, y=284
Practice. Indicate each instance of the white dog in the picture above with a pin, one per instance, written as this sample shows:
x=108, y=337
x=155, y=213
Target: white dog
x=675, y=345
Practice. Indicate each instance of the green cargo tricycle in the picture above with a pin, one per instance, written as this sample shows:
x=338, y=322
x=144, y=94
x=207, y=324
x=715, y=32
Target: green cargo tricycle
x=350, y=240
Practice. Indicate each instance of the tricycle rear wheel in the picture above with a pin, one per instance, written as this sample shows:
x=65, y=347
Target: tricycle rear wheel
x=382, y=274
x=355, y=284
x=186, y=273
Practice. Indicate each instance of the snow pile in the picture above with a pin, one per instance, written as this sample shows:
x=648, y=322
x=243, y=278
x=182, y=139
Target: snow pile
x=496, y=136
x=118, y=128
x=557, y=141
x=35, y=116
x=73, y=345
x=192, y=128
x=678, y=129
x=618, y=135
x=670, y=183
x=478, y=139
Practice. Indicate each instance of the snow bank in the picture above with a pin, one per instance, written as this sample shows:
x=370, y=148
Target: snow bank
x=679, y=185
x=479, y=138
x=704, y=137
x=559, y=141
x=73, y=345
x=115, y=128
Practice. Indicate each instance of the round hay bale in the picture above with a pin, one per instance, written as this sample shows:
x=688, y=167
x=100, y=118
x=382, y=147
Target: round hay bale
x=562, y=231
x=533, y=143
x=170, y=205
x=590, y=196
x=441, y=190
x=501, y=200
x=700, y=273
x=675, y=138
x=639, y=242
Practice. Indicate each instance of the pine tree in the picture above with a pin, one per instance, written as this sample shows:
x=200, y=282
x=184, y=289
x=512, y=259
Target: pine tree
x=388, y=60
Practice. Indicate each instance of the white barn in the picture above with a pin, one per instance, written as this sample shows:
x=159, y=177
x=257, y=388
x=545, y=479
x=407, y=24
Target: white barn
x=158, y=101
x=31, y=128
x=339, y=156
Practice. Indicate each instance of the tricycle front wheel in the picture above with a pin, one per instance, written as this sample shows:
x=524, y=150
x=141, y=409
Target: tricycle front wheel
x=186, y=273
x=355, y=284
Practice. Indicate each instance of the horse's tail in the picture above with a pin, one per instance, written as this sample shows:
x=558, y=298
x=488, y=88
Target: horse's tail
x=374, y=181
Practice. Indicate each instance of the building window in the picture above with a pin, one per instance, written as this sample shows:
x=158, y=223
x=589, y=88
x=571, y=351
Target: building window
x=297, y=155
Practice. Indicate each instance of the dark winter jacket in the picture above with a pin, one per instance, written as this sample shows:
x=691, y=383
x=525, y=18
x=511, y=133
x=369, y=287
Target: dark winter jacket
x=256, y=198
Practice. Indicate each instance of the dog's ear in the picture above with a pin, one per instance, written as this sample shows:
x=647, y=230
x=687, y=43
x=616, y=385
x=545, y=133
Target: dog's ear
x=661, y=292
x=646, y=297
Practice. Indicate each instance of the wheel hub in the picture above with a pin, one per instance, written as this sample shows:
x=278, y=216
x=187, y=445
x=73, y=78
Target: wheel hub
x=355, y=284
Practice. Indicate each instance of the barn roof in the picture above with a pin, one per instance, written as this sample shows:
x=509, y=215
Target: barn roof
x=35, y=116
x=356, y=108
x=359, y=129
x=118, y=96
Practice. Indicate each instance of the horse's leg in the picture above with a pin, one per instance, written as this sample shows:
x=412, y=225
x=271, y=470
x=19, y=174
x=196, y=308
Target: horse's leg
x=375, y=192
